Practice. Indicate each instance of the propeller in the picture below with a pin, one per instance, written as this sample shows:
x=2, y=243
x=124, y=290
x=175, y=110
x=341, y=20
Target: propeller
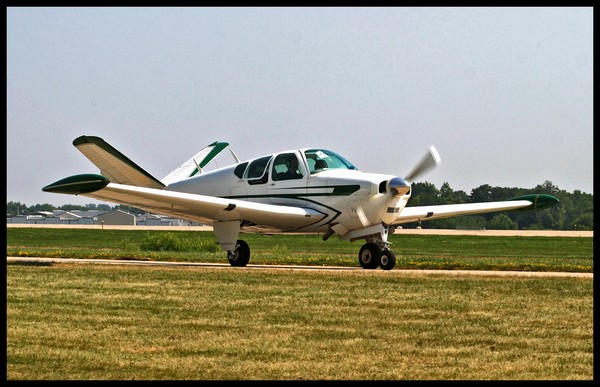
x=400, y=186
x=430, y=160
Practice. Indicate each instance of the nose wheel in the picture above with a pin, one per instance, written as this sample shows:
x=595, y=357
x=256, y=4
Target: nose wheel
x=368, y=257
x=371, y=256
x=387, y=259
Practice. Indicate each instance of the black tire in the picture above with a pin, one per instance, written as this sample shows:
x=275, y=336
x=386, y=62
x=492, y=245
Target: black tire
x=387, y=260
x=241, y=256
x=368, y=257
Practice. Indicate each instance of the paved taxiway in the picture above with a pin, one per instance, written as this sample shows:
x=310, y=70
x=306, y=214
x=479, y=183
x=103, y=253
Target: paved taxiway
x=294, y=267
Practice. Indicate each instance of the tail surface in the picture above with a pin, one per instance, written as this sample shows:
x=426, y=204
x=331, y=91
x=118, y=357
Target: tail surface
x=113, y=164
x=195, y=164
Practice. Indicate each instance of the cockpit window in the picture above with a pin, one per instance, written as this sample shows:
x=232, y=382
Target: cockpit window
x=239, y=170
x=322, y=159
x=286, y=166
x=256, y=172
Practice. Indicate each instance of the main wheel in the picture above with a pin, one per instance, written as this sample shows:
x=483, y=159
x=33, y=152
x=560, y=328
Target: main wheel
x=241, y=255
x=387, y=260
x=368, y=257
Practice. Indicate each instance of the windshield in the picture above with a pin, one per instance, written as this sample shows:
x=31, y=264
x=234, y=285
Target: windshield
x=322, y=159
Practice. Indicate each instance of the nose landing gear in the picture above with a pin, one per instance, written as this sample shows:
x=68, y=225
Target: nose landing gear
x=375, y=252
x=371, y=256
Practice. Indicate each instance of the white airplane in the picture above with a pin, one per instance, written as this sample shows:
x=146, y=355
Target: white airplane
x=294, y=191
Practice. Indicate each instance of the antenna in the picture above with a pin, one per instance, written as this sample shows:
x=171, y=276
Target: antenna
x=234, y=156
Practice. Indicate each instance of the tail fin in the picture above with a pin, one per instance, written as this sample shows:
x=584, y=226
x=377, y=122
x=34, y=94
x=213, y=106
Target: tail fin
x=195, y=164
x=113, y=164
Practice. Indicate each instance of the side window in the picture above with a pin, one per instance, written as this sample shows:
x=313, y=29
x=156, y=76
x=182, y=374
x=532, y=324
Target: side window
x=239, y=170
x=285, y=167
x=256, y=171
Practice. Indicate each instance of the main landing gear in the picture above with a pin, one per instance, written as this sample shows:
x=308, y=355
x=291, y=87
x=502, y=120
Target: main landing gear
x=371, y=256
x=238, y=251
x=240, y=256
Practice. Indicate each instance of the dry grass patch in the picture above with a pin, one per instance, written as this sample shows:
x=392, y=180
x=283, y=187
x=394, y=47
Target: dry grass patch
x=85, y=322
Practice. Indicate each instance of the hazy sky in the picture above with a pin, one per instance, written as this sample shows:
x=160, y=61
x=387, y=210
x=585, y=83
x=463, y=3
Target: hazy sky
x=505, y=94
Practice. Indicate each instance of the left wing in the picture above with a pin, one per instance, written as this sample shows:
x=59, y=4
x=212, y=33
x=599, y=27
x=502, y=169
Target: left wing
x=527, y=202
x=201, y=208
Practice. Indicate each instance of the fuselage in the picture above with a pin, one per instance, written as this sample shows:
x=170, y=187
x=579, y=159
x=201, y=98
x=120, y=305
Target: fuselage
x=322, y=181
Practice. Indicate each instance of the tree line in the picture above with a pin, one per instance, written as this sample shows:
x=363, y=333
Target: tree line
x=575, y=211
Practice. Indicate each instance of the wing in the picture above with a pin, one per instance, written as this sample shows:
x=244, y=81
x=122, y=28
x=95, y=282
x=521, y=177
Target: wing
x=534, y=201
x=113, y=164
x=200, y=208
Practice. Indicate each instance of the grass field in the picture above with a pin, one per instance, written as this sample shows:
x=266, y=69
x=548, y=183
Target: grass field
x=82, y=322
x=412, y=251
x=89, y=322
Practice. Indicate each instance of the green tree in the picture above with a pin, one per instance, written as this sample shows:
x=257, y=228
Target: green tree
x=16, y=208
x=547, y=188
x=70, y=207
x=41, y=207
x=502, y=222
x=483, y=193
x=448, y=196
x=584, y=222
x=104, y=207
x=424, y=194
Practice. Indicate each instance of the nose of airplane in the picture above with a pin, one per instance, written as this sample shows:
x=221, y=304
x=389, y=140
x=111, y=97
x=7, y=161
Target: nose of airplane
x=399, y=186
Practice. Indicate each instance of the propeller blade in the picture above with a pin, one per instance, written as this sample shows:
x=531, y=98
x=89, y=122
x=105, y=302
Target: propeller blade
x=431, y=160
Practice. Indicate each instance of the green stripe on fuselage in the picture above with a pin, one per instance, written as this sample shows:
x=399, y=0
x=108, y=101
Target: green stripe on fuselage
x=340, y=190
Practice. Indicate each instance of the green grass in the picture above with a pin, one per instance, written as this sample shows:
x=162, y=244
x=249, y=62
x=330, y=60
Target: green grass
x=571, y=254
x=82, y=322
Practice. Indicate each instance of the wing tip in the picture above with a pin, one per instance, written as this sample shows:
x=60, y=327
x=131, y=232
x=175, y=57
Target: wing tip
x=78, y=184
x=538, y=201
x=87, y=140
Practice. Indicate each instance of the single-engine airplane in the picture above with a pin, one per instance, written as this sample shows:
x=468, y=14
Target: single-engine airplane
x=294, y=191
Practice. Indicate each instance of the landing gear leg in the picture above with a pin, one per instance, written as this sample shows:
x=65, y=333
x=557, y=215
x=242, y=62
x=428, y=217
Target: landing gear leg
x=238, y=252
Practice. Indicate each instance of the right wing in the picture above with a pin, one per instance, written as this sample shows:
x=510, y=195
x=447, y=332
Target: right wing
x=526, y=202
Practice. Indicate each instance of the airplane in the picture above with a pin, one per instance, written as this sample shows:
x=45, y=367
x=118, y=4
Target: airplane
x=309, y=190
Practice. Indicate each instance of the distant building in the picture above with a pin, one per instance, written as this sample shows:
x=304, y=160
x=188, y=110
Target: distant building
x=57, y=217
x=159, y=220
x=117, y=217
x=78, y=217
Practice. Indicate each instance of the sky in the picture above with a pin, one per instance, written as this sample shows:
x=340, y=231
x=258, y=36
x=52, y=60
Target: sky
x=504, y=94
